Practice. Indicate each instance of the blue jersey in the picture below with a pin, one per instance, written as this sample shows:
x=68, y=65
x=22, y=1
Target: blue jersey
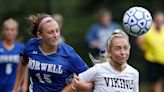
x=52, y=72
x=8, y=66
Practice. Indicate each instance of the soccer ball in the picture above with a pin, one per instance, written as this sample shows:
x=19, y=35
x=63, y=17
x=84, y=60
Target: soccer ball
x=137, y=21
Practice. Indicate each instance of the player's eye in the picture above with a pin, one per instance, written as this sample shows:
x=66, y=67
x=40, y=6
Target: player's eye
x=126, y=47
x=118, y=48
x=57, y=30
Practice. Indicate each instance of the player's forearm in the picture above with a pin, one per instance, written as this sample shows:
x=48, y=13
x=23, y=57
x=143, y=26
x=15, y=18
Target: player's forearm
x=68, y=88
x=19, y=75
x=86, y=87
x=24, y=86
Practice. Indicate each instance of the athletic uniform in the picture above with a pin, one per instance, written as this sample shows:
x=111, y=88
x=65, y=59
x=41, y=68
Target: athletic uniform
x=153, y=43
x=106, y=79
x=51, y=72
x=8, y=66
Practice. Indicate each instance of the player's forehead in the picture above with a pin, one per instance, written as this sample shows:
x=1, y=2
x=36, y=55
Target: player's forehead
x=51, y=24
x=121, y=41
x=11, y=25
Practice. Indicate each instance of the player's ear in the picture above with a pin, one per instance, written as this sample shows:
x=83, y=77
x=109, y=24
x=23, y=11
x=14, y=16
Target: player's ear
x=39, y=35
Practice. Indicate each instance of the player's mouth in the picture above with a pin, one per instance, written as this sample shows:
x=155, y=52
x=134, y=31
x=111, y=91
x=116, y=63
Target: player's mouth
x=123, y=58
x=55, y=40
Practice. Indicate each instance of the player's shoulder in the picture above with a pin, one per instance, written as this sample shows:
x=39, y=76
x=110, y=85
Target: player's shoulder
x=151, y=31
x=32, y=44
x=98, y=67
x=114, y=24
x=33, y=41
x=101, y=65
x=19, y=44
x=95, y=26
x=66, y=48
x=132, y=70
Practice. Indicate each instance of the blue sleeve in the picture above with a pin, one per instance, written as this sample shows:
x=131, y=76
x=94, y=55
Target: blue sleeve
x=25, y=51
x=27, y=47
x=92, y=34
x=23, y=54
x=77, y=64
x=21, y=47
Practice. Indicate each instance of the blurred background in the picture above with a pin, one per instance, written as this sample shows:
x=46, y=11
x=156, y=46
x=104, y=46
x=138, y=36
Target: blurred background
x=78, y=16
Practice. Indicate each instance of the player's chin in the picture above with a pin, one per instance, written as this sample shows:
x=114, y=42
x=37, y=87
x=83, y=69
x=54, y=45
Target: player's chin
x=122, y=61
x=54, y=43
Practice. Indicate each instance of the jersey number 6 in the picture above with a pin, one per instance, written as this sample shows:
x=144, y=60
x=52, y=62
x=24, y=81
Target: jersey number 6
x=8, y=69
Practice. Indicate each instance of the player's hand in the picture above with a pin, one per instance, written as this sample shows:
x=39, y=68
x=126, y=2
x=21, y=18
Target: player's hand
x=14, y=91
x=78, y=84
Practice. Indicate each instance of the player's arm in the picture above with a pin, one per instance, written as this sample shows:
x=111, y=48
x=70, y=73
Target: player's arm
x=80, y=85
x=85, y=80
x=68, y=88
x=20, y=72
x=24, y=86
x=82, y=82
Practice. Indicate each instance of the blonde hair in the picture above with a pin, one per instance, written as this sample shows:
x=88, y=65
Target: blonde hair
x=10, y=21
x=118, y=33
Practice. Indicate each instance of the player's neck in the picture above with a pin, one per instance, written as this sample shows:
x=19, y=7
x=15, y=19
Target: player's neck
x=8, y=44
x=48, y=49
x=116, y=66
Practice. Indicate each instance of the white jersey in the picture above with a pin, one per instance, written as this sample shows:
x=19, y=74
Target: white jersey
x=106, y=79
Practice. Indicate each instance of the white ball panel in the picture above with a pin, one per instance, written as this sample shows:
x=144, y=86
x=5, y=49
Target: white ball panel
x=135, y=29
x=139, y=15
x=131, y=11
x=125, y=18
x=147, y=16
x=148, y=25
x=127, y=27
